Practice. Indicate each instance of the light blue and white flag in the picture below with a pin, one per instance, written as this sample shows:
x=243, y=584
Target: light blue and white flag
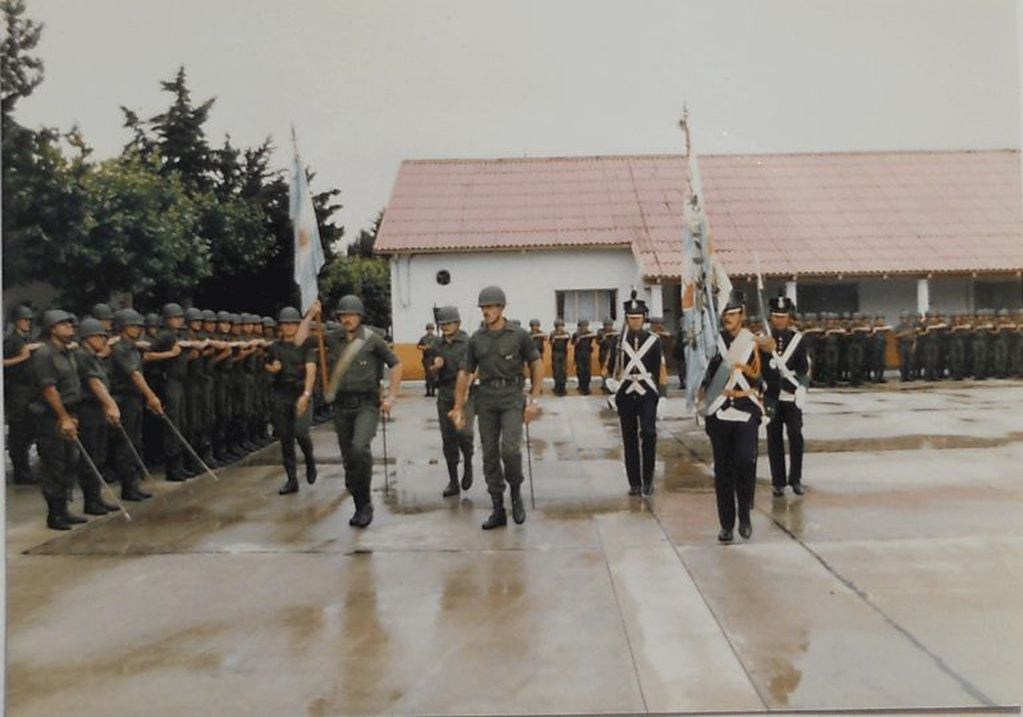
x=308, y=249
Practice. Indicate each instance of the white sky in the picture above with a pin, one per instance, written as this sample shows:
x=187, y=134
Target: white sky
x=371, y=82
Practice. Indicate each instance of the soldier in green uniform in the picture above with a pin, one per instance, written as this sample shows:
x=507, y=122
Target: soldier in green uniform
x=207, y=397
x=166, y=350
x=55, y=407
x=957, y=341
x=833, y=336
x=934, y=369
x=153, y=372
x=359, y=356
x=97, y=413
x=856, y=350
x=19, y=386
x=905, y=334
x=1017, y=346
x=582, y=351
x=292, y=366
x=193, y=345
x=606, y=338
x=426, y=345
x=1001, y=344
x=812, y=336
x=559, y=340
x=448, y=356
x=130, y=391
x=105, y=315
x=220, y=365
x=981, y=345
x=877, y=348
x=537, y=334
x=498, y=353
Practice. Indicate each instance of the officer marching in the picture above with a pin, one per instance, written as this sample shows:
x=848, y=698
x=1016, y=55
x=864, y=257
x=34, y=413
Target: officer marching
x=292, y=367
x=498, y=351
x=426, y=346
x=637, y=375
x=786, y=372
x=733, y=409
x=449, y=355
x=357, y=357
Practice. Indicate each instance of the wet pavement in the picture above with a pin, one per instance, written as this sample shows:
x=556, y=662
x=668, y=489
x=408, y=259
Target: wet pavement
x=894, y=583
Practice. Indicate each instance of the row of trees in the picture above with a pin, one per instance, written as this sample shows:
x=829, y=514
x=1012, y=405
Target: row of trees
x=170, y=218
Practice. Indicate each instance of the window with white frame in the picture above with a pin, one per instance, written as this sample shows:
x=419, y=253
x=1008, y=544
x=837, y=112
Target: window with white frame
x=590, y=304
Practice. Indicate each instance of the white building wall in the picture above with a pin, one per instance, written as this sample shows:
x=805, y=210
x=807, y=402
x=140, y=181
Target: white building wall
x=529, y=279
x=889, y=297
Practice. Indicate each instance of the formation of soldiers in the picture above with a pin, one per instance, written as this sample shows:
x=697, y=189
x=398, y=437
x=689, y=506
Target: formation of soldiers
x=118, y=393
x=981, y=345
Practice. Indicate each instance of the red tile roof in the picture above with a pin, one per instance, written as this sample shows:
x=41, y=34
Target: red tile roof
x=804, y=214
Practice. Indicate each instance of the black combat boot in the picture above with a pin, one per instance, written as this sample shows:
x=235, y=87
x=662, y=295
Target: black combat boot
x=173, y=471
x=498, y=518
x=453, y=488
x=94, y=503
x=363, y=516
x=291, y=485
x=467, y=471
x=70, y=517
x=725, y=536
x=131, y=491
x=310, y=471
x=518, y=508
x=55, y=515
x=745, y=528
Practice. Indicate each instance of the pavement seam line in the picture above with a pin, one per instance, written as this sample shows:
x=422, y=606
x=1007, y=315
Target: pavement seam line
x=964, y=683
x=621, y=616
x=717, y=620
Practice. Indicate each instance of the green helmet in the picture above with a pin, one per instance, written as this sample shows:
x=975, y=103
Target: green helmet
x=151, y=319
x=172, y=310
x=209, y=316
x=268, y=322
x=102, y=312
x=224, y=317
x=491, y=295
x=193, y=314
x=448, y=314
x=21, y=312
x=289, y=315
x=534, y=322
x=128, y=317
x=350, y=304
x=55, y=316
x=91, y=327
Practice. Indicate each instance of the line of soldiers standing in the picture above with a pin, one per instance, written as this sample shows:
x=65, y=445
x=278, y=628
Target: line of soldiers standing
x=197, y=372
x=846, y=348
x=982, y=345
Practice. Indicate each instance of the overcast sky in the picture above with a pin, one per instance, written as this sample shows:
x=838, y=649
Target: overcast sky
x=368, y=83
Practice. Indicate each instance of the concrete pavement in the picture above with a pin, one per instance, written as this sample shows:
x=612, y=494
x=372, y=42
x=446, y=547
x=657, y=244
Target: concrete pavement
x=893, y=583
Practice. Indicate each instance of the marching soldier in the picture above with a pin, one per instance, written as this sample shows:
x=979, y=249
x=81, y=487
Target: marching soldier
x=559, y=341
x=55, y=405
x=582, y=351
x=498, y=352
x=426, y=345
x=19, y=387
x=130, y=391
x=449, y=355
x=786, y=373
x=358, y=357
x=292, y=368
x=638, y=374
x=166, y=350
x=733, y=409
x=98, y=412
